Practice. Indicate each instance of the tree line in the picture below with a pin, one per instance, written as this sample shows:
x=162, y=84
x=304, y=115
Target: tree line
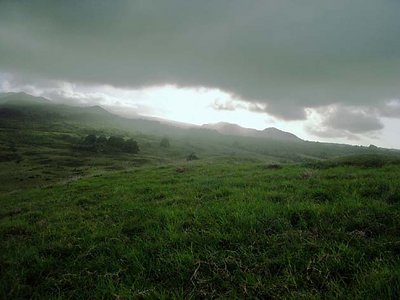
x=111, y=144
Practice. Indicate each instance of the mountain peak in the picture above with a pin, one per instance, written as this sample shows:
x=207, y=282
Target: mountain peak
x=22, y=98
x=235, y=129
x=98, y=109
x=275, y=133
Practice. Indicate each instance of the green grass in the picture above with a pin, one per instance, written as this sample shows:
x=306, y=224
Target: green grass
x=206, y=229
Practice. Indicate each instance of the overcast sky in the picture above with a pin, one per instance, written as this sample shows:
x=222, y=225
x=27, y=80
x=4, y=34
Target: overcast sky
x=325, y=70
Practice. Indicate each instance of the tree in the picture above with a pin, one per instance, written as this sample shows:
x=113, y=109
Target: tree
x=164, y=143
x=101, y=143
x=89, y=143
x=192, y=156
x=102, y=140
x=131, y=146
x=116, y=142
x=90, y=139
x=373, y=147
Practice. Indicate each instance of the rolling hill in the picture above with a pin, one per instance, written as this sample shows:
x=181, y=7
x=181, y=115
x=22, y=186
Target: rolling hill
x=23, y=114
x=267, y=133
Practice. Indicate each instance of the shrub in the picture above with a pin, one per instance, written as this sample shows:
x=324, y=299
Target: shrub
x=116, y=142
x=131, y=146
x=89, y=143
x=273, y=166
x=102, y=140
x=191, y=156
x=165, y=143
x=90, y=139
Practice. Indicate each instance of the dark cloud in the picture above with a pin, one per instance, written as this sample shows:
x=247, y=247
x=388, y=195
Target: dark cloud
x=390, y=109
x=346, y=122
x=288, y=55
x=285, y=112
x=353, y=120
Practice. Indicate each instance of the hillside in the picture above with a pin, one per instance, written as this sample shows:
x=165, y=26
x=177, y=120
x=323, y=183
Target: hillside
x=39, y=141
x=21, y=99
x=19, y=110
x=229, y=229
x=267, y=133
x=27, y=104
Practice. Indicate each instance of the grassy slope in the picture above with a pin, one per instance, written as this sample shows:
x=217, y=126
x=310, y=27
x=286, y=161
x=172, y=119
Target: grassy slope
x=37, y=144
x=88, y=225
x=230, y=229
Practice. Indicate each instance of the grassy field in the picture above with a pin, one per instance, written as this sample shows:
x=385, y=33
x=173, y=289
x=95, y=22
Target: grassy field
x=251, y=218
x=207, y=229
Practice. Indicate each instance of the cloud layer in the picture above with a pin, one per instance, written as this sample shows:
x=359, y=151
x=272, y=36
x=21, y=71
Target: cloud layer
x=283, y=56
x=349, y=122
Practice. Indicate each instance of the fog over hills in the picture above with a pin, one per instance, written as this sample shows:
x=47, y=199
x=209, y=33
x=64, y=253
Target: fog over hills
x=22, y=107
x=21, y=98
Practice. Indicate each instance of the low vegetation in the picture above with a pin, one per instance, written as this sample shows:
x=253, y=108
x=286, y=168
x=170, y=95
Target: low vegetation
x=111, y=144
x=212, y=230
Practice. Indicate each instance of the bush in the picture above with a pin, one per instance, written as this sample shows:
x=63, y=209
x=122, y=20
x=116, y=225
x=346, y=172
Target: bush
x=164, y=143
x=131, y=146
x=90, y=139
x=116, y=142
x=102, y=140
x=112, y=144
x=89, y=143
x=191, y=156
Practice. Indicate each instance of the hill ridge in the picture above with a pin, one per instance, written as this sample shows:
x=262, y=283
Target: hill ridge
x=235, y=129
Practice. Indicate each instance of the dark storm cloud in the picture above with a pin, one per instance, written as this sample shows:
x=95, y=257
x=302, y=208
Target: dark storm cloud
x=286, y=55
x=390, y=109
x=353, y=121
x=284, y=112
x=346, y=122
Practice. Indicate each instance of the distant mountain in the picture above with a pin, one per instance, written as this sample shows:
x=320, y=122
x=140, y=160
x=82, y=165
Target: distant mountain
x=22, y=98
x=274, y=133
x=23, y=110
x=40, y=106
x=234, y=129
x=19, y=111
